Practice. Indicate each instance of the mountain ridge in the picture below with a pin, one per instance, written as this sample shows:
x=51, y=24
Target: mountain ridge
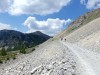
x=12, y=37
x=79, y=22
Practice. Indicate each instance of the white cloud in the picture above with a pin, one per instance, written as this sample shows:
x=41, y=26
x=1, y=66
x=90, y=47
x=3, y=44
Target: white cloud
x=40, y=7
x=4, y=5
x=6, y=26
x=83, y=2
x=49, y=26
x=91, y=4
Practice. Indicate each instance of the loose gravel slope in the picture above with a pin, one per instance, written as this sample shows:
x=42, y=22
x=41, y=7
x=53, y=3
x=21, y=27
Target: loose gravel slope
x=51, y=58
x=56, y=58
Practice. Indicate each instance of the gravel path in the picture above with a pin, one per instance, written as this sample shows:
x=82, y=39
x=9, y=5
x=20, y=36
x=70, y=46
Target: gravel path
x=89, y=60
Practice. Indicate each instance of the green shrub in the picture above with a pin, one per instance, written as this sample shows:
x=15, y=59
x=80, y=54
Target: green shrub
x=1, y=61
x=14, y=58
x=73, y=74
x=33, y=49
x=8, y=58
x=3, y=52
x=23, y=51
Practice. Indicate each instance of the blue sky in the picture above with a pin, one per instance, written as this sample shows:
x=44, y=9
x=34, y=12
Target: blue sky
x=47, y=16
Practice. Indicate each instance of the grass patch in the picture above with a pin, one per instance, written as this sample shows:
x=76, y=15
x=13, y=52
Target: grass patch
x=7, y=57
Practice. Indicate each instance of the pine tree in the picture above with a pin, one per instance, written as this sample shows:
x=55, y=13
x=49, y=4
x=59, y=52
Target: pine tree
x=9, y=49
x=22, y=49
x=3, y=52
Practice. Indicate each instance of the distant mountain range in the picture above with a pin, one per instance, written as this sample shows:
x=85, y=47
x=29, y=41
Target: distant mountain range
x=12, y=38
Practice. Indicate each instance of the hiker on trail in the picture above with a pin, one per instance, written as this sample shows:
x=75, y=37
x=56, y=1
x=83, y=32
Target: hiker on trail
x=65, y=40
x=61, y=39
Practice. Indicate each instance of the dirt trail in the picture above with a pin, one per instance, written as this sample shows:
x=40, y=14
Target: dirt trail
x=89, y=60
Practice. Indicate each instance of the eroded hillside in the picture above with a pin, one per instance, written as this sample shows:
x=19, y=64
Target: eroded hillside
x=79, y=22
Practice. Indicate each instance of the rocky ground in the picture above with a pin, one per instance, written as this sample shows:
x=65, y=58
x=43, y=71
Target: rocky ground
x=88, y=61
x=55, y=58
x=51, y=59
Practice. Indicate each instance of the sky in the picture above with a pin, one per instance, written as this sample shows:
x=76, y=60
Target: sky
x=47, y=16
